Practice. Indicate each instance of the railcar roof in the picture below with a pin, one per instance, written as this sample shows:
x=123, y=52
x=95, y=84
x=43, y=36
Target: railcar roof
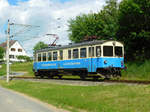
x=73, y=45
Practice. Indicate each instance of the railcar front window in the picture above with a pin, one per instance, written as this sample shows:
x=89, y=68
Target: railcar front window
x=83, y=53
x=118, y=51
x=108, y=51
x=61, y=55
x=91, y=51
x=44, y=56
x=75, y=53
x=39, y=57
x=69, y=54
x=49, y=56
x=55, y=55
x=98, y=51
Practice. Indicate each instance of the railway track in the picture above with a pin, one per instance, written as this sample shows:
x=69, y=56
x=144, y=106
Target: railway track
x=144, y=82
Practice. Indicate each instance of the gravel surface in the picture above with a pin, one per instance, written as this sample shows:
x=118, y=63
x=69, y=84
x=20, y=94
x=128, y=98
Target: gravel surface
x=11, y=101
x=73, y=82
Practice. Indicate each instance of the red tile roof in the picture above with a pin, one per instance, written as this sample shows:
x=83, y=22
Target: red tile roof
x=4, y=44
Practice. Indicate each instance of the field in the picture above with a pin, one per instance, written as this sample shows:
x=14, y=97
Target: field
x=101, y=98
x=134, y=70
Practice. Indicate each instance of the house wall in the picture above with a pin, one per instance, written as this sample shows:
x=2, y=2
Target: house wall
x=14, y=52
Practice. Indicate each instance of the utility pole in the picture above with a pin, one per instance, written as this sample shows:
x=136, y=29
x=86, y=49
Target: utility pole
x=8, y=36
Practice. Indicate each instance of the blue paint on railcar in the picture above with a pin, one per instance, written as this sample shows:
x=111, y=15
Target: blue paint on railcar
x=91, y=64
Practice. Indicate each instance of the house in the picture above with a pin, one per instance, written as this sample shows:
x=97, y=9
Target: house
x=15, y=49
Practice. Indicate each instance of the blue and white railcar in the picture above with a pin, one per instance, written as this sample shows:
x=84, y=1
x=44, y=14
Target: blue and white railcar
x=99, y=58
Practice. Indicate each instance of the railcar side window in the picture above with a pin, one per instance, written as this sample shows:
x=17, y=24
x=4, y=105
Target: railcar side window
x=91, y=51
x=69, y=54
x=108, y=50
x=75, y=53
x=98, y=51
x=49, y=56
x=55, y=55
x=39, y=57
x=118, y=51
x=44, y=56
x=61, y=55
x=83, y=53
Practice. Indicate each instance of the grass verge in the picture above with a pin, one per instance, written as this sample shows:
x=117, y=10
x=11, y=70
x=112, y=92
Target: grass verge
x=18, y=67
x=102, y=98
x=137, y=70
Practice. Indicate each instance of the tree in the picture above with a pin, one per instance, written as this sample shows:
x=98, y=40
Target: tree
x=103, y=24
x=39, y=46
x=83, y=25
x=134, y=28
x=1, y=52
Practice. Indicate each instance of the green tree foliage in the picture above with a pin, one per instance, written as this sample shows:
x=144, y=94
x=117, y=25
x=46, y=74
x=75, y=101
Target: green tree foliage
x=1, y=52
x=134, y=28
x=26, y=58
x=108, y=19
x=40, y=45
x=103, y=24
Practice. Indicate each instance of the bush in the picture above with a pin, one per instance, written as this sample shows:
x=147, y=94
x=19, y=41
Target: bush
x=25, y=58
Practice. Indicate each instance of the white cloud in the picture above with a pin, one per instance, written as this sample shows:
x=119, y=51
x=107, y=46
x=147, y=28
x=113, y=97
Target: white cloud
x=45, y=13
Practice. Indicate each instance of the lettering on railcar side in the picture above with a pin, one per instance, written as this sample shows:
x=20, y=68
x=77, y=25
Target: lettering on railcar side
x=54, y=64
x=71, y=63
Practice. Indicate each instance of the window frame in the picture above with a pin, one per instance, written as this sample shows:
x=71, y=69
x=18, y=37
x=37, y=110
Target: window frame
x=98, y=46
x=44, y=59
x=69, y=55
x=13, y=49
x=38, y=57
x=121, y=50
x=77, y=53
x=85, y=52
x=56, y=55
x=91, y=54
x=51, y=56
x=112, y=50
x=20, y=50
x=61, y=54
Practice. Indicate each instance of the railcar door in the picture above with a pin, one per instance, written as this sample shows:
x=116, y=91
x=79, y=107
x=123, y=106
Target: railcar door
x=90, y=60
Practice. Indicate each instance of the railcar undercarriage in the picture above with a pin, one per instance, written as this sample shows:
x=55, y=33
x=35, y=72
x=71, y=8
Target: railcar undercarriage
x=105, y=73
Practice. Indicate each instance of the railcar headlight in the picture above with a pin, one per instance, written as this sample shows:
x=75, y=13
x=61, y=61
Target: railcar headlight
x=105, y=62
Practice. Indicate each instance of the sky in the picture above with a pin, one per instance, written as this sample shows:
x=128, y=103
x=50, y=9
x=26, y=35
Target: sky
x=50, y=15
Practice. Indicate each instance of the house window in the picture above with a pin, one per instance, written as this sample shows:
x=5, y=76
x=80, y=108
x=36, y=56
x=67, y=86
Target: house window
x=13, y=49
x=19, y=50
x=11, y=56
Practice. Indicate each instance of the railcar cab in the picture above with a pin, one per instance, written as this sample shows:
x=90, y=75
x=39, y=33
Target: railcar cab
x=104, y=57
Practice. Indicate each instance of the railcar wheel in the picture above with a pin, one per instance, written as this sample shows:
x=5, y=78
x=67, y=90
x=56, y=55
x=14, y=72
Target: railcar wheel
x=41, y=76
x=95, y=78
x=83, y=75
x=50, y=76
x=60, y=76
